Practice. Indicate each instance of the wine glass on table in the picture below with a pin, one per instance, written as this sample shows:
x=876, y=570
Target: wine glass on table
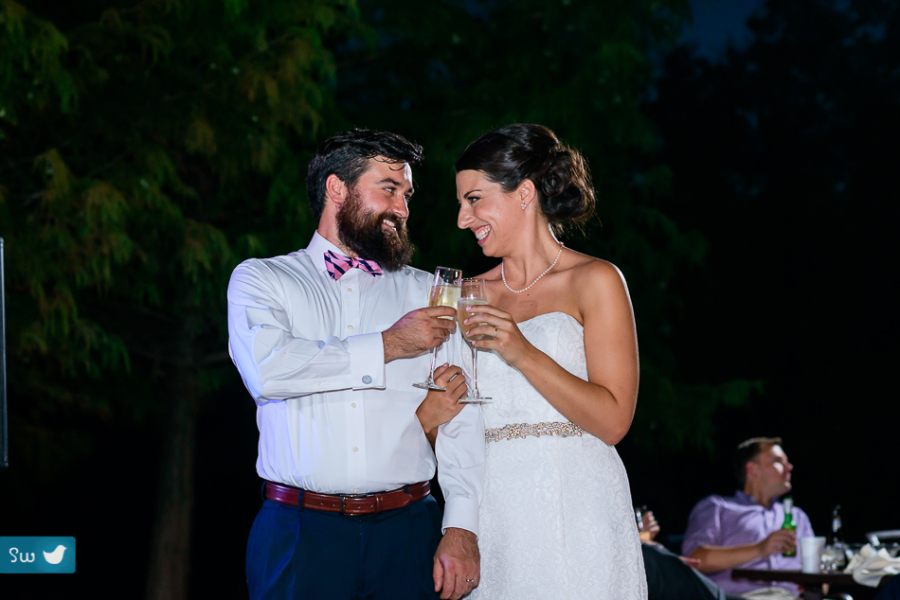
x=444, y=292
x=472, y=293
x=644, y=529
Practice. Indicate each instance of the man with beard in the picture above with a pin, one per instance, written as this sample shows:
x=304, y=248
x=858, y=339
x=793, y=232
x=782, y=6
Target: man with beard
x=329, y=341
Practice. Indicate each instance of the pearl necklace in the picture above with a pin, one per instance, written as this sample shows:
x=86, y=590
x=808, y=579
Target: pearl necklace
x=525, y=289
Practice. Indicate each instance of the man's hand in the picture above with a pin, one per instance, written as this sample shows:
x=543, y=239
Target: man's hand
x=691, y=562
x=457, y=564
x=777, y=542
x=649, y=524
x=439, y=407
x=418, y=331
x=719, y=558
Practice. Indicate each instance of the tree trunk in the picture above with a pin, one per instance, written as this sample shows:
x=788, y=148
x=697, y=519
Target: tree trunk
x=170, y=556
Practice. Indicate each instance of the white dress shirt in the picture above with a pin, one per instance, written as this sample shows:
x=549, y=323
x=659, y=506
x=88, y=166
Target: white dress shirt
x=334, y=418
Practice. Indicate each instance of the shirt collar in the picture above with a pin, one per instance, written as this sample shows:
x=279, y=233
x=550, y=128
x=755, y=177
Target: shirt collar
x=317, y=248
x=744, y=498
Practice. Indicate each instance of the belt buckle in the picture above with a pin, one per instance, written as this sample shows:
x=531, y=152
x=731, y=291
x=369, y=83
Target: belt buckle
x=343, y=497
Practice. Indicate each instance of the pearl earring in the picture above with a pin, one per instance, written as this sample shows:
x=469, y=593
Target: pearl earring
x=523, y=206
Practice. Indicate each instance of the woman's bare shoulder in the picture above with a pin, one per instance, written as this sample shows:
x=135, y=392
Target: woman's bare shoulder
x=584, y=265
x=595, y=275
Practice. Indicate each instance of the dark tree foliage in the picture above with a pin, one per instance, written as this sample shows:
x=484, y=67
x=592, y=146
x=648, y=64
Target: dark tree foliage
x=145, y=148
x=784, y=159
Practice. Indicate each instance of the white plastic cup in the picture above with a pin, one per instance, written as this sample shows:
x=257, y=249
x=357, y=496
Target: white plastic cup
x=811, y=549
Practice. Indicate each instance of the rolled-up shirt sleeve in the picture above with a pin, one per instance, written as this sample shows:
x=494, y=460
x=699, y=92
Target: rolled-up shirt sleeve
x=703, y=527
x=460, y=453
x=274, y=364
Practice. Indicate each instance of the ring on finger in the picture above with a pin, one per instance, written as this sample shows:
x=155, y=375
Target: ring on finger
x=470, y=581
x=495, y=331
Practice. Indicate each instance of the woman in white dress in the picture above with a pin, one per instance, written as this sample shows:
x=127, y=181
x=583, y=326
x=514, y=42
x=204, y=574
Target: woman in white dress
x=562, y=371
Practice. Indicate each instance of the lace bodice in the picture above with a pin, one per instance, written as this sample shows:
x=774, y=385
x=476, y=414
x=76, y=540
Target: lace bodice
x=515, y=400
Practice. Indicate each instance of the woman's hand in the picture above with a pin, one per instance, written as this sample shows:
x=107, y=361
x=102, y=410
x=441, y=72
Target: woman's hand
x=439, y=407
x=508, y=341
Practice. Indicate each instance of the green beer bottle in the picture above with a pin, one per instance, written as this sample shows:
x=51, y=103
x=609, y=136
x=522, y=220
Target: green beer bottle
x=789, y=523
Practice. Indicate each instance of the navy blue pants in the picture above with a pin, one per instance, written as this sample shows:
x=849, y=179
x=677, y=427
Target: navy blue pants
x=305, y=554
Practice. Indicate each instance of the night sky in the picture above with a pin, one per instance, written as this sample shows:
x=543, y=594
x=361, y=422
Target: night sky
x=720, y=23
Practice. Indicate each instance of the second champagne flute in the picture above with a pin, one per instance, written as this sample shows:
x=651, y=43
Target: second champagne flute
x=444, y=292
x=472, y=293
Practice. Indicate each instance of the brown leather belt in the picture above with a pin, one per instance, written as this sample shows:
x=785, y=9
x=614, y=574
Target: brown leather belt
x=349, y=504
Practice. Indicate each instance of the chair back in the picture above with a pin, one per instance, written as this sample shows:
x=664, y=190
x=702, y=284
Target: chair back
x=877, y=537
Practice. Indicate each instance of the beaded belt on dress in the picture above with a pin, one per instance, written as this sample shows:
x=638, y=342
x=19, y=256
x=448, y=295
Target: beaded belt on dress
x=523, y=430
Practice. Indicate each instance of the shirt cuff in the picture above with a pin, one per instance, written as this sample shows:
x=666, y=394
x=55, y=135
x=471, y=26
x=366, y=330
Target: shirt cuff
x=366, y=360
x=462, y=513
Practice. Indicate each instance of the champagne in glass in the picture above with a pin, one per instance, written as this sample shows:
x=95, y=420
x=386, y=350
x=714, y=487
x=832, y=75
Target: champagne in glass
x=444, y=295
x=444, y=292
x=462, y=315
x=472, y=293
x=644, y=534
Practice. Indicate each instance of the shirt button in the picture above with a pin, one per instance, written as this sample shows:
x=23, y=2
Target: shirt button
x=349, y=290
x=349, y=326
x=356, y=449
x=353, y=405
x=367, y=379
x=355, y=491
x=319, y=384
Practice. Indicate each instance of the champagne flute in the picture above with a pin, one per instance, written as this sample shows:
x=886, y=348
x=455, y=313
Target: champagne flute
x=444, y=292
x=472, y=293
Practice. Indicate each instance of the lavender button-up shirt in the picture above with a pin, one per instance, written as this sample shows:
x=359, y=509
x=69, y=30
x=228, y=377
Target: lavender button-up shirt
x=738, y=520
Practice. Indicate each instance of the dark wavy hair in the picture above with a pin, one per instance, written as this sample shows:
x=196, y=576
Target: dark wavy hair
x=748, y=450
x=345, y=155
x=512, y=154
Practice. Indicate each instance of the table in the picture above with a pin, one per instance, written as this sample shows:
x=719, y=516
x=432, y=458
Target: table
x=812, y=582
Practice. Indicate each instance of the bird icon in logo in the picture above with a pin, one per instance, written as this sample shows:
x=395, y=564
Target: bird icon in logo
x=55, y=557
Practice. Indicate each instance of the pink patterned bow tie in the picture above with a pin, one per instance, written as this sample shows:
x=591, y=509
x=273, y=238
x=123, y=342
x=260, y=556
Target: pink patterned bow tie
x=338, y=265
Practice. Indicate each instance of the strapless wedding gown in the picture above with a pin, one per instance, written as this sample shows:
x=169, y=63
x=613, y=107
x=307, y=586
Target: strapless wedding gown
x=556, y=517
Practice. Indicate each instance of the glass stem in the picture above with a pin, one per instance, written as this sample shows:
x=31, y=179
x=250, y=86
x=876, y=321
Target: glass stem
x=475, y=371
x=431, y=370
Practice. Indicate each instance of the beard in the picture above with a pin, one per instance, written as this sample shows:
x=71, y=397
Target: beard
x=364, y=233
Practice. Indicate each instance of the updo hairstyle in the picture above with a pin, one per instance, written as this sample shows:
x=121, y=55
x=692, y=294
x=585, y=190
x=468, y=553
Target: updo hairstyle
x=512, y=154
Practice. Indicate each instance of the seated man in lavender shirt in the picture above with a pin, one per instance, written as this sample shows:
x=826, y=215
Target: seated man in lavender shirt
x=744, y=530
